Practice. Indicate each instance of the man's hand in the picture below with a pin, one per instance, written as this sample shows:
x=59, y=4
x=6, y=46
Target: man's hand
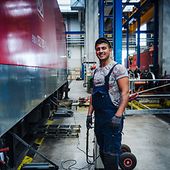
x=116, y=121
x=89, y=121
x=133, y=96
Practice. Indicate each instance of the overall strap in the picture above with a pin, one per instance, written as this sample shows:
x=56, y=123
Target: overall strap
x=93, y=77
x=108, y=76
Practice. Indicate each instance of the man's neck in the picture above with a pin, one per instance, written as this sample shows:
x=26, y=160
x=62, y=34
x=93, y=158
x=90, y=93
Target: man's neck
x=104, y=63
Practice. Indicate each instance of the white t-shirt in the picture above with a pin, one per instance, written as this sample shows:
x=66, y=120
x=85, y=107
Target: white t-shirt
x=118, y=72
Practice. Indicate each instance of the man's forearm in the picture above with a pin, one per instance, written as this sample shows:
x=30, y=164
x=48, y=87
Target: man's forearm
x=90, y=109
x=123, y=104
x=123, y=84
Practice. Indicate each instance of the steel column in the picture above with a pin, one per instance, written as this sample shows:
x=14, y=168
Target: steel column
x=127, y=45
x=101, y=18
x=156, y=32
x=117, y=30
x=82, y=71
x=138, y=41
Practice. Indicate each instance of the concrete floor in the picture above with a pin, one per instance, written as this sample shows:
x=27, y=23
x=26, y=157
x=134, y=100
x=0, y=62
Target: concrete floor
x=147, y=136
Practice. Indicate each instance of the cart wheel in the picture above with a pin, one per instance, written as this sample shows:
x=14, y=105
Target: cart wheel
x=84, y=85
x=125, y=148
x=127, y=161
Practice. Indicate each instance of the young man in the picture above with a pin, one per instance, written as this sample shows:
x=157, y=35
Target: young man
x=108, y=102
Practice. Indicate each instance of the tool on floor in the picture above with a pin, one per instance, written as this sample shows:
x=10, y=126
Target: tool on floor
x=58, y=131
x=39, y=166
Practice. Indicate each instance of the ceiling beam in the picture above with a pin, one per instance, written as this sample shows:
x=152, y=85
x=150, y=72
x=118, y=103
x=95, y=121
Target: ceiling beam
x=146, y=17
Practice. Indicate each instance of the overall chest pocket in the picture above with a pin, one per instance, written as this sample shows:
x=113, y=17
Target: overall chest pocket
x=101, y=101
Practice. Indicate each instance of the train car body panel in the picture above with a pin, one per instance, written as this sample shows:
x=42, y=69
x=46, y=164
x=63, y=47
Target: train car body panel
x=145, y=60
x=33, y=61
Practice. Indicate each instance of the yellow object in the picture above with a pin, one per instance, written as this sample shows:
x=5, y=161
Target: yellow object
x=26, y=160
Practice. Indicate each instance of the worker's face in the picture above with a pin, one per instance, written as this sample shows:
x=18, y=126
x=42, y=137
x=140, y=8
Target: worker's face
x=103, y=51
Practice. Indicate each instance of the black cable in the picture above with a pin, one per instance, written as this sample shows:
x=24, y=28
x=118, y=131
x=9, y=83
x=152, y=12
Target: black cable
x=63, y=162
x=75, y=162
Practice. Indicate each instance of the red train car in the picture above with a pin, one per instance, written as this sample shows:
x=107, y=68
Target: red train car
x=33, y=66
x=145, y=60
x=32, y=34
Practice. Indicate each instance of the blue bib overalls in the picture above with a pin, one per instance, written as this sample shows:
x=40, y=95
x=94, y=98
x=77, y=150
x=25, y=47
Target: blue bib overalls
x=108, y=138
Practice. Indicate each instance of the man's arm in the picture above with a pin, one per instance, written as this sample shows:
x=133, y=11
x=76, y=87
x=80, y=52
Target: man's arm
x=123, y=84
x=133, y=96
x=89, y=115
x=90, y=109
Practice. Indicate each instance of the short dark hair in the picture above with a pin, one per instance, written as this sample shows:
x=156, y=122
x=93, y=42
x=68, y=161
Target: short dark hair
x=102, y=40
